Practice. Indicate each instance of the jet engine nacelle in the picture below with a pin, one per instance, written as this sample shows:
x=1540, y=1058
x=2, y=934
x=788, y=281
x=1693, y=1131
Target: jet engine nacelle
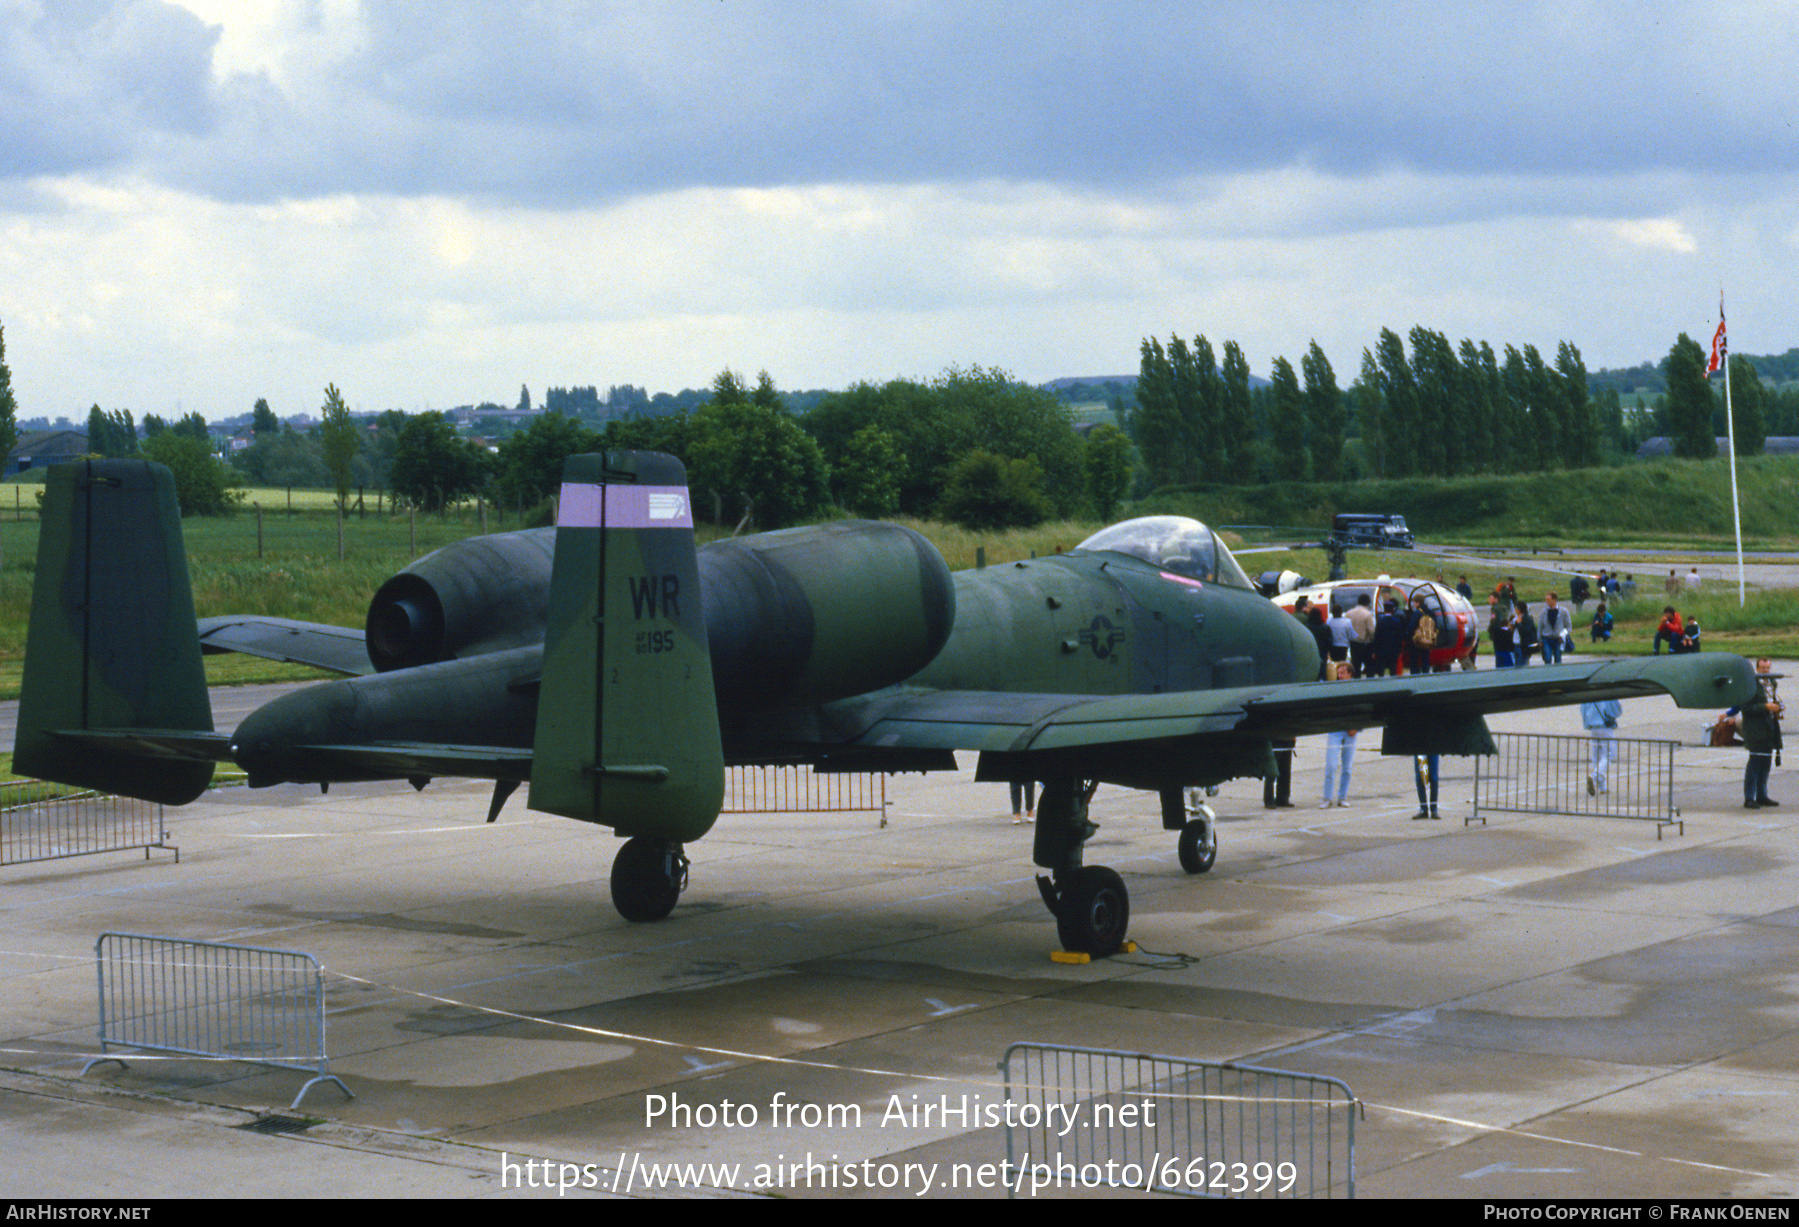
x=485, y=594
x=808, y=615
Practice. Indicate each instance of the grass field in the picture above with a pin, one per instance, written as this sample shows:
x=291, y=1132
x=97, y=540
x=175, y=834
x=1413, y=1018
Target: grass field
x=1633, y=504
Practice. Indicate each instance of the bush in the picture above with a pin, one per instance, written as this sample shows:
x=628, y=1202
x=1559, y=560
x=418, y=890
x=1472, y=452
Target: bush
x=202, y=482
x=990, y=492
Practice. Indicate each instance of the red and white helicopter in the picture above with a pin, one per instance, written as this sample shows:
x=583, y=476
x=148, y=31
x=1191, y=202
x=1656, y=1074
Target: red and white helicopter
x=1458, y=631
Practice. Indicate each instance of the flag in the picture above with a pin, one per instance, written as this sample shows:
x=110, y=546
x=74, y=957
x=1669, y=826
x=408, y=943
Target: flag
x=1720, y=348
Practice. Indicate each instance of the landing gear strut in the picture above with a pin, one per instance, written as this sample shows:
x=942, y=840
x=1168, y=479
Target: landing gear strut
x=648, y=876
x=1198, y=844
x=1090, y=903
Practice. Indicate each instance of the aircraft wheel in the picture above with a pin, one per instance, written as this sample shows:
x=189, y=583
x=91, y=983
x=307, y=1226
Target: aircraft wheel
x=648, y=876
x=1198, y=845
x=1093, y=910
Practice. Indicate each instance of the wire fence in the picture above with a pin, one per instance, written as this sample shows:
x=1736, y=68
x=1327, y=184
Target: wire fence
x=41, y=821
x=1085, y=1118
x=210, y=999
x=1599, y=775
x=800, y=790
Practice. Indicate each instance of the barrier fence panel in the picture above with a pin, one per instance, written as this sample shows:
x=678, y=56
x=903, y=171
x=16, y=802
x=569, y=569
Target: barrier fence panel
x=1081, y=1118
x=40, y=821
x=800, y=790
x=1607, y=777
x=208, y=999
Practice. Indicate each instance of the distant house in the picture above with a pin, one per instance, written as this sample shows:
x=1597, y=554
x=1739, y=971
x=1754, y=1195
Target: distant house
x=41, y=448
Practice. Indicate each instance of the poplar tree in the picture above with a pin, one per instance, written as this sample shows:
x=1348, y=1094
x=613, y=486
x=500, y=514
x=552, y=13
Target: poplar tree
x=1209, y=454
x=1155, y=423
x=337, y=438
x=1435, y=374
x=9, y=408
x=1748, y=405
x=1188, y=409
x=1399, y=424
x=1689, y=401
x=1580, y=438
x=1475, y=410
x=1236, y=422
x=1324, y=414
x=1287, y=420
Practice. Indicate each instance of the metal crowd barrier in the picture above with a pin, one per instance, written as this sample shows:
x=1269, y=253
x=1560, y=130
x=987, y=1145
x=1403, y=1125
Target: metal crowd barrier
x=1082, y=1118
x=1535, y=773
x=800, y=790
x=40, y=821
x=207, y=999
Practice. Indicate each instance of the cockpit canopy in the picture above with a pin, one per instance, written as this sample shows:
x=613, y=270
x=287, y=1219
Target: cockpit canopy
x=1176, y=544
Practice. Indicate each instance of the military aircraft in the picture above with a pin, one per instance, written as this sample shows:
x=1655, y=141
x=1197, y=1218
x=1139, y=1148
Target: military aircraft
x=618, y=670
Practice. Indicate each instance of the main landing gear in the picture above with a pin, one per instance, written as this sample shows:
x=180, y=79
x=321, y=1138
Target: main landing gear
x=1090, y=903
x=648, y=876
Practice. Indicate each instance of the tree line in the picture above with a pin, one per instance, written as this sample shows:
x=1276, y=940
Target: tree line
x=1432, y=408
x=974, y=446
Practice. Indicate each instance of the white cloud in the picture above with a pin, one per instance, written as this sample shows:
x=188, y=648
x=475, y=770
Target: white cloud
x=430, y=205
x=1662, y=233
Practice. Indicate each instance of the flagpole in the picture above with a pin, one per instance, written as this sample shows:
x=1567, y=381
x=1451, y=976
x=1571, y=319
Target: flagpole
x=1736, y=503
x=1720, y=357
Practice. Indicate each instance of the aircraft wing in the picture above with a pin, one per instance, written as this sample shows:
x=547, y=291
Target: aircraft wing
x=1027, y=723
x=336, y=648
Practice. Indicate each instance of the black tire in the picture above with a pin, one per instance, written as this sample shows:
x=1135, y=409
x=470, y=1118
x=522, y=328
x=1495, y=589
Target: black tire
x=1197, y=852
x=1093, y=911
x=648, y=876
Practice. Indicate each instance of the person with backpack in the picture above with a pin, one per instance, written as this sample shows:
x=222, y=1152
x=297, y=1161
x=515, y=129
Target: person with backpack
x=1420, y=638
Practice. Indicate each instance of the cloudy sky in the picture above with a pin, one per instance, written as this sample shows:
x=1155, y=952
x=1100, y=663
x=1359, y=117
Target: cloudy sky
x=207, y=201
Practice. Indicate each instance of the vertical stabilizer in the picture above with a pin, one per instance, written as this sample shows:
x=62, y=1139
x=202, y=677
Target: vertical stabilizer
x=112, y=642
x=627, y=724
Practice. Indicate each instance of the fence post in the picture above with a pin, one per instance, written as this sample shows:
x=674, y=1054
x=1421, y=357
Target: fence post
x=412, y=529
x=483, y=501
x=258, y=507
x=340, y=532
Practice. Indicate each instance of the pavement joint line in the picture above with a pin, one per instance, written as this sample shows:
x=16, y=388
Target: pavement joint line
x=1546, y=1137
x=461, y=826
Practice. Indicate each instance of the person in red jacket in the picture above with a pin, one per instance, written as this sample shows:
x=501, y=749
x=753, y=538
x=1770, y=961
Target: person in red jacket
x=1671, y=629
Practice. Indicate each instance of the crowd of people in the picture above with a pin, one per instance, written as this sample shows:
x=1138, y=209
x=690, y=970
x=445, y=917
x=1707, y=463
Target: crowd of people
x=1357, y=642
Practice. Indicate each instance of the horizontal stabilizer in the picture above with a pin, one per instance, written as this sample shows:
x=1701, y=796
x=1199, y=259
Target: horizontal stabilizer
x=338, y=649
x=152, y=743
x=404, y=759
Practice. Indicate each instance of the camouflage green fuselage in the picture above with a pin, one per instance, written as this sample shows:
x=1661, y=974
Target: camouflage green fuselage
x=1101, y=623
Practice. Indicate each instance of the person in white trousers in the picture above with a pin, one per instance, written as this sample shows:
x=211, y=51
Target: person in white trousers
x=1601, y=721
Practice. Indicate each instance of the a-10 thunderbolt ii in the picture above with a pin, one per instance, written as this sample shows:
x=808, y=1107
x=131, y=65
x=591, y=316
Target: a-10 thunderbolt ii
x=618, y=670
